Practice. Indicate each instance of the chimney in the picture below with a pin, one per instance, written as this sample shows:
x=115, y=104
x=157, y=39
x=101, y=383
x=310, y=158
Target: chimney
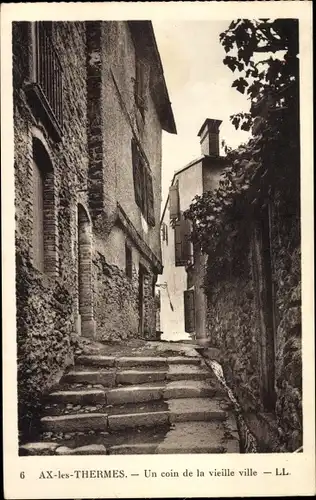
x=209, y=137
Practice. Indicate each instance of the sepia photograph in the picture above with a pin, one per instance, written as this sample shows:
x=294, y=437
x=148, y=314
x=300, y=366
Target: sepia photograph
x=160, y=275
x=147, y=332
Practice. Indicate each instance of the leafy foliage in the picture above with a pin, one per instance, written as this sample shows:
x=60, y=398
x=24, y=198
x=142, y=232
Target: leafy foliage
x=265, y=169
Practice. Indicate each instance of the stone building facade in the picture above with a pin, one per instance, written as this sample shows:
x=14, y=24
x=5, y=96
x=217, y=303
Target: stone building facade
x=254, y=319
x=90, y=104
x=183, y=301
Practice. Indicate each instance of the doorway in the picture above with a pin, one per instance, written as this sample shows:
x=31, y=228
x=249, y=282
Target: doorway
x=262, y=268
x=141, y=297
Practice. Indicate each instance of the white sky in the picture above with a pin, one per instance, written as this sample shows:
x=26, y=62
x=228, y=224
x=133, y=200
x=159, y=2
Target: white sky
x=199, y=87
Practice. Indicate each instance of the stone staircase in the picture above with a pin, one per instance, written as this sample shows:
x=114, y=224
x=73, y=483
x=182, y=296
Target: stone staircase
x=136, y=404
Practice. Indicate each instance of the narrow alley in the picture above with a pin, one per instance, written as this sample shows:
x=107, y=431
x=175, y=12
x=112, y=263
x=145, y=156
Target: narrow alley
x=158, y=265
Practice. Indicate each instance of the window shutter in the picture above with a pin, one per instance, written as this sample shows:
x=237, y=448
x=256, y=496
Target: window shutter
x=174, y=202
x=137, y=174
x=178, y=244
x=189, y=311
x=165, y=232
x=128, y=261
x=187, y=253
x=183, y=244
x=150, y=199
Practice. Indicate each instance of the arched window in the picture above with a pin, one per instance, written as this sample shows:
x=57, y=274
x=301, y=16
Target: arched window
x=45, y=235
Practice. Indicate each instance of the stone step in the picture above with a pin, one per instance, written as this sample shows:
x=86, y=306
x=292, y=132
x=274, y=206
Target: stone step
x=184, y=372
x=175, y=372
x=131, y=377
x=114, y=438
x=121, y=362
x=96, y=360
x=183, y=437
x=106, y=378
x=80, y=396
x=60, y=409
x=195, y=409
x=150, y=392
x=136, y=393
x=184, y=360
x=181, y=410
x=191, y=389
x=135, y=361
x=197, y=437
x=110, y=378
x=76, y=422
x=132, y=420
x=92, y=449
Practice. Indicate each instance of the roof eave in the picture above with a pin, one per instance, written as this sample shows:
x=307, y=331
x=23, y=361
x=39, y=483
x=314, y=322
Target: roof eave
x=163, y=107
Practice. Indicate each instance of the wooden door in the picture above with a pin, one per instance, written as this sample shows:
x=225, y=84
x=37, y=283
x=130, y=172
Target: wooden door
x=262, y=268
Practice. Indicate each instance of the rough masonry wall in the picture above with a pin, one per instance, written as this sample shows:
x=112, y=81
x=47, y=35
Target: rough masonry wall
x=44, y=325
x=233, y=327
x=116, y=301
x=150, y=307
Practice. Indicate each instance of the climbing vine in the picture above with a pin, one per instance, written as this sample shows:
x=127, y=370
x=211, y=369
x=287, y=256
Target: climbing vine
x=266, y=168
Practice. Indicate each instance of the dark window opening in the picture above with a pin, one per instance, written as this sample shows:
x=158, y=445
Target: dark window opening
x=154, y=280
x=189, y=311
x=174, y=202
x=164, y=230
x=128, y=261
x=141, y=86
x=182, y=242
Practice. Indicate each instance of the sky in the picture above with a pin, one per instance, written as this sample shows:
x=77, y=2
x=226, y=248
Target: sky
x=199, y=87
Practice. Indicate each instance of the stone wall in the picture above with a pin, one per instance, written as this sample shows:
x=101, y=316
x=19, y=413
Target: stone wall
x=233, y=329
x=150, y=307
x=115, y=300
x=233, y=320
x=44, y=343
x=46, y=307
